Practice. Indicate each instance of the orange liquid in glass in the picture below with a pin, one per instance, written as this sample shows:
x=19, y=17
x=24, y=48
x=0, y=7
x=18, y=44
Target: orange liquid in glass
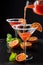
x=25, y=35
x=14, y=23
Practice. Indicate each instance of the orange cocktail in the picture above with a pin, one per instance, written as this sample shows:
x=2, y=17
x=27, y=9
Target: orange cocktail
x=24, y=32
x=25, y=35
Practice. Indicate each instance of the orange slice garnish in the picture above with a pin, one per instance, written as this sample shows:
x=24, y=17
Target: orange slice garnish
x=38, y=25
x=23, y=21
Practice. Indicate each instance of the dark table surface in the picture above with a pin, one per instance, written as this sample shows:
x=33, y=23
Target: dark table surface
x=36, y=51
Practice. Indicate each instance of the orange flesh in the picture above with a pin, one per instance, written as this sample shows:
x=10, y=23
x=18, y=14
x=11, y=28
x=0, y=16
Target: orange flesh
x=21, y=57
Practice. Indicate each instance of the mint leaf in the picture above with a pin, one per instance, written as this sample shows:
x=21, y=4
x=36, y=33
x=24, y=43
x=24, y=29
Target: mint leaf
x=12, y=56
x=9, y=35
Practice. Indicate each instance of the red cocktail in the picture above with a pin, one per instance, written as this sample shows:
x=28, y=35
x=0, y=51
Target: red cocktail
x=15, y=21
x=37, y=7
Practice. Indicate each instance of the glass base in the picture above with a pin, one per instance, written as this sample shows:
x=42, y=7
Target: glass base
x=29, y=58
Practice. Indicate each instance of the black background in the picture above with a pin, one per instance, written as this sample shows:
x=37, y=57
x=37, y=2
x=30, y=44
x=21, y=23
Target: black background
x=12, y=9
x=15, y=9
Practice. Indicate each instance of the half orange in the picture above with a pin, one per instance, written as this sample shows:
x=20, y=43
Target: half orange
x=33, y=39
x=21, y=57
x=14, y=44
x=28, y=45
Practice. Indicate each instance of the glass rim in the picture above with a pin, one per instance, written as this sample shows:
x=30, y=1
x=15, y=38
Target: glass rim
x=11, y=19
x=16, y=27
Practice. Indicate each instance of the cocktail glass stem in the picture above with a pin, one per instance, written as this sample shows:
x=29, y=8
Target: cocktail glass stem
x=15, y=34
x=25, y=47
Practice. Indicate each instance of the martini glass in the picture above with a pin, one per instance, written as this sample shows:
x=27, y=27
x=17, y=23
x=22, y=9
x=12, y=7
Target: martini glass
x=24, y=32
x=14, y=21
